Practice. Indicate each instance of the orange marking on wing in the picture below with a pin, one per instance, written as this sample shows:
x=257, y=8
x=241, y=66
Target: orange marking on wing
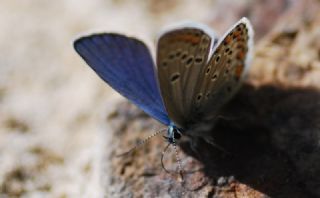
x=241, y=46
x=227, y=40
x=237, y=33
x=187, y=38
x=240, y=39
x=240, y=55
x=238, y=71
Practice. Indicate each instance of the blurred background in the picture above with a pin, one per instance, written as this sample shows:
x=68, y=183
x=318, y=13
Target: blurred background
x=53, y=106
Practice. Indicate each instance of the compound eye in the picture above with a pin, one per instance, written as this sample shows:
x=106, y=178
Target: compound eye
x=176, y=134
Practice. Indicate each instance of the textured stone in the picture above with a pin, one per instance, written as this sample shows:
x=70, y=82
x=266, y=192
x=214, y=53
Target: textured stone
x=270, y=128
x=55, y=140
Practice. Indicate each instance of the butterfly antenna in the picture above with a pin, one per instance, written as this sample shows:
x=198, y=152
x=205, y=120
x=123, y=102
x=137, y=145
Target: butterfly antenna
x=181, y=173
x=180, y=169
x=217, y=146
x=162, y=156
x=141, y=143
x=178, y=161
x=177, y=158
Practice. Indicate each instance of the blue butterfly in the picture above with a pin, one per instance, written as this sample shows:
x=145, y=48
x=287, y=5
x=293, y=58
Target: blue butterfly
x=196, y=73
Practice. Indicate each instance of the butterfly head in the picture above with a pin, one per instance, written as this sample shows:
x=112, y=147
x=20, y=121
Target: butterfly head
x=173, y=134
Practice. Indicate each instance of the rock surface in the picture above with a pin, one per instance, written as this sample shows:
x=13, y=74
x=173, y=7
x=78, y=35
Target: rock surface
x=271, y=128
x=61, y=127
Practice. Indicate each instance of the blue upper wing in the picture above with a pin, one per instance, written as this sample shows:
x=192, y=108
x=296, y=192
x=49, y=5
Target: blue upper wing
x=126, y=65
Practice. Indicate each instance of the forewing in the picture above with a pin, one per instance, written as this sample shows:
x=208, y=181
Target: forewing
x=126, y=65
x=181, y=55
x=223, y=74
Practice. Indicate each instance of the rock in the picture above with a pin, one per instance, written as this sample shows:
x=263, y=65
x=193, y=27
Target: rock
x=271, y=128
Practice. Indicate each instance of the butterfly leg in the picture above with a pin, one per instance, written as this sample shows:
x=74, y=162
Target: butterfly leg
x=211, y=141
x=193, y=145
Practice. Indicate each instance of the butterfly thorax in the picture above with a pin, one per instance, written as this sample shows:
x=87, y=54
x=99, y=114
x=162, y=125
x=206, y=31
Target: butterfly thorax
x=173, y=133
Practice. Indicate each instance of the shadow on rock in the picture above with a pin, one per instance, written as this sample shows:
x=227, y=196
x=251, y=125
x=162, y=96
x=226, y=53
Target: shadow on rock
x=273, y=135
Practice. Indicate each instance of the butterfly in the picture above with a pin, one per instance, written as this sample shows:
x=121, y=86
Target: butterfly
x=196, y=72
